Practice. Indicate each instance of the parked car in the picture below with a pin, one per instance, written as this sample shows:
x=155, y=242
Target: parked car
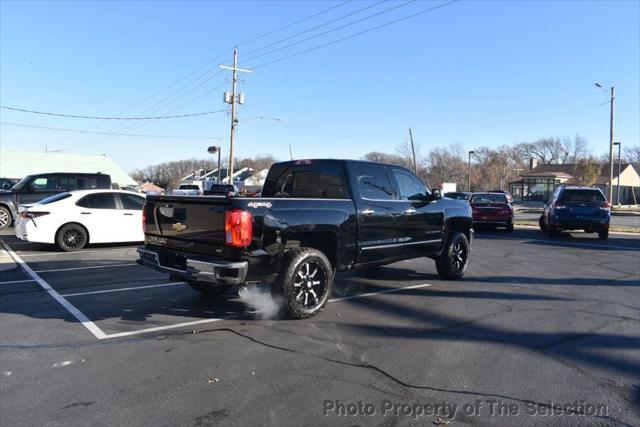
x=577, y=208
x=222, y=190
x=71, y=220
x=33, y=188
x=187, y=190
x=7, y=183
x=492, y=209
x=315, y=217
x=458, y=195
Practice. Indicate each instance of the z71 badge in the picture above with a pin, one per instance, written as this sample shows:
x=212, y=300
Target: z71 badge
x=259, y=204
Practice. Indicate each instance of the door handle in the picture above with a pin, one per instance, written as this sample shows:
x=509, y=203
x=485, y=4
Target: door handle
x=368, y=212
x=128, y=214
x=85, y=213
x=410, y=211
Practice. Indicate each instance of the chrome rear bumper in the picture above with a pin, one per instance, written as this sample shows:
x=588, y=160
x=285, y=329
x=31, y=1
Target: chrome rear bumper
x=218, y=272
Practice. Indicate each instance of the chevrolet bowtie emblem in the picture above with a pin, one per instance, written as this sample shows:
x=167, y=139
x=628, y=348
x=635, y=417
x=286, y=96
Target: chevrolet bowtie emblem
x=179, y=227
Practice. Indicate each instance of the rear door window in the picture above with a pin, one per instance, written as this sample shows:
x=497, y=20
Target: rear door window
x=67, y=183
x=87, y=183
x=582, y=196
x=98, y=201
x=317, y=179
x=373, y=182
x=132, y=202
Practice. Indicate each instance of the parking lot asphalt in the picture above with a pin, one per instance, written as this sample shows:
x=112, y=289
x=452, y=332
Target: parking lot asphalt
x=90, y=338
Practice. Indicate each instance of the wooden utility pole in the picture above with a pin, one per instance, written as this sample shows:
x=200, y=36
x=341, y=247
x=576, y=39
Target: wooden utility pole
x=413, y=153
x=233, y=100
x=613, y=98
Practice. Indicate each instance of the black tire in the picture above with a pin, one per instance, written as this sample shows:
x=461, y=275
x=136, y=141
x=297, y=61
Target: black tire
x=208, y=289
x=603, y=234
x=453, y=261
x=543, y=226
x=72, y=237
x=296, y=284
x=510, y=227
x=5, y=218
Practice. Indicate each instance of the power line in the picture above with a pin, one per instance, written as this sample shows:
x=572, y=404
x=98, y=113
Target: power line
x=377, y=27
x=108, y=133
x=110, y=118
x=322, y=12
x=316, y=27
x=357, y=21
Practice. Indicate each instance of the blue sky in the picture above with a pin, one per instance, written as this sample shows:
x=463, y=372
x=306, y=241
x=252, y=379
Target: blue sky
x=473, y=73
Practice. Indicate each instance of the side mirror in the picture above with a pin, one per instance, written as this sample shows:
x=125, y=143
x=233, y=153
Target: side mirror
x=436, y=194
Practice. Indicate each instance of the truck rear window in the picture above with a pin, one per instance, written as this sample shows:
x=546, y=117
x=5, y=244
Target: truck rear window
x=318, y=180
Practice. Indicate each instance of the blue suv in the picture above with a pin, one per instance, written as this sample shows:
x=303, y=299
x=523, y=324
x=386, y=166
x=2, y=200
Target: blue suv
x=577, y=208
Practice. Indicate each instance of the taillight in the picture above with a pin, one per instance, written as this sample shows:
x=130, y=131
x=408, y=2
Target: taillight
x=238, y=228
x=31, y=215
x=606, y=205
x=144, y=220
x=229, y=194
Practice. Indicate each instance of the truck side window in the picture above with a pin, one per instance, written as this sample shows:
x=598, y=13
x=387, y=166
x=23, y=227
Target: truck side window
x=42, y=183
x=410, y=187
x=373, y=182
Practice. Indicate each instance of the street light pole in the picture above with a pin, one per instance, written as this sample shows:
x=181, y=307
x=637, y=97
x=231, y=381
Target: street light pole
x=619, y=167
x=469, y=171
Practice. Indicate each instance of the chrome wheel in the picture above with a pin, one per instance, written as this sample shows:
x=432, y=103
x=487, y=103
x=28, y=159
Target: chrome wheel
x=4, y=218
x=309, y=284
x=459, y=256
x=73, y=238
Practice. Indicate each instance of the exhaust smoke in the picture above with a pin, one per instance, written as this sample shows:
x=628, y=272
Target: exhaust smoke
x=267, y=306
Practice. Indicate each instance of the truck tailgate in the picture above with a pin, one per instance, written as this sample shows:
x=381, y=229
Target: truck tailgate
x=194, y=224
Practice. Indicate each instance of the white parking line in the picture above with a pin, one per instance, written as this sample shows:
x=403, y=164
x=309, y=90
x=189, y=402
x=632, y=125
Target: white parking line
x=32, y=254
x=17, y=281
x=217, y=319
x=77, y=294
x=85, y=268
x=97, y=332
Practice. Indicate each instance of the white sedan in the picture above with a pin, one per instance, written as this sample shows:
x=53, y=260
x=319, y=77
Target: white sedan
x=73, y=219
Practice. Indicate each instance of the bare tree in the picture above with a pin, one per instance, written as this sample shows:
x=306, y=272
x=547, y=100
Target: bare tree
x=632, y=154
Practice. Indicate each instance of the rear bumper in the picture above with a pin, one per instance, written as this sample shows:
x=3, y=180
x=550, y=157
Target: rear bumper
x=196, y=268
x=579, y=224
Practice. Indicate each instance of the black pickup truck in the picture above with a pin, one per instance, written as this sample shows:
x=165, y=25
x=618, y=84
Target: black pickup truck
x=313, y=219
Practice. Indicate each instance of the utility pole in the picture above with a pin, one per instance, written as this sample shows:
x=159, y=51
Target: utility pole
x=612, y=108
x=290, y=153
x=469, y=172
x=212, y=150
x=233, y=99
x=413, y=153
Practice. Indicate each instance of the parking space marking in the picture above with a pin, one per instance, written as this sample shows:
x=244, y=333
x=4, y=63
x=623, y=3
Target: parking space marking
x=106, y=291
x=164, y=328
x=97, y=332
x=386, y=291
x=17, y=281
x=85, y=268
x=75, y=253
x=217, y=319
